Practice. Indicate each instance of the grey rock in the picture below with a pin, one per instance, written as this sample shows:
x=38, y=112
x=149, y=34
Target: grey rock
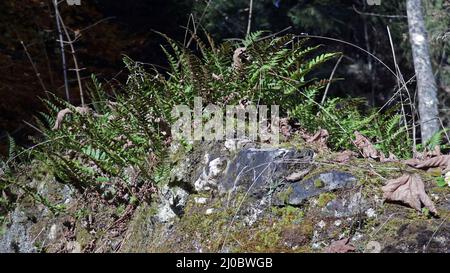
x=256, y=170
x=172, y=203
x=16, y=238
x=346, y=207
x=296, y=193
x=210, y=176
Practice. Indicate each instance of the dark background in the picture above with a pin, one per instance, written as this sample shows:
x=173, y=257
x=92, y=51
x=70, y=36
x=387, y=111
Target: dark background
x=113, y=28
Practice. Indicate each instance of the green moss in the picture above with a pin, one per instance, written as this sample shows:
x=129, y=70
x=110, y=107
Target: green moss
x=318, y=183
x=284, y=195
x=83, y=236
x=325, y=198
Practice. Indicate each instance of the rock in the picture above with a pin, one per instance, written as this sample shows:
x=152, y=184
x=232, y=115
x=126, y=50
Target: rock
x=254, y=170
x=73, y=247
x=209, y=178
x=296, y=176
x=233, y=145
x=172, y=203
x=296, y=193
x=346, y=206
x=373, y=247
x=200, y=200
x=54, y=231
x=16, y=238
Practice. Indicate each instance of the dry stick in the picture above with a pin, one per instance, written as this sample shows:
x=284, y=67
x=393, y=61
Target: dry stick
x=329, y=80
x=395, y=94
x=397, y=70
x=77, y=69
x=400, y=80
x=38, y=75
x=63, y=55
x=434, y=234
x=445, y=130
x=199, y=23
x=250, y=13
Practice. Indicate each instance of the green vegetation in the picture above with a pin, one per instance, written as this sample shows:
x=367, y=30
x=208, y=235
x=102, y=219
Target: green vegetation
x=117, y=145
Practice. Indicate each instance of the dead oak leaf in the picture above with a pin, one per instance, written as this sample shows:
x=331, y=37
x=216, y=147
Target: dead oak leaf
x=366, y=147
x=345, y=156
x=320, y=138
x=408, y=189
x=442, y=161
x=341, y=246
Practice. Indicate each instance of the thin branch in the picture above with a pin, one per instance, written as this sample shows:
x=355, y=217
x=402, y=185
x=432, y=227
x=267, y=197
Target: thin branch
x=75, y=61
x=329, y=80
x=63, y=55
x=33, y=65
x=250, y=13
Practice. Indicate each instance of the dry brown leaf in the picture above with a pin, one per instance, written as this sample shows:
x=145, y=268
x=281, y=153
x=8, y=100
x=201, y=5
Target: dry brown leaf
x=237, y=57
x=442, y=161
x=427, y=154
x=366, y=147
x=341, y=246
x=64, y=112
x=320, y=138
x=391, y=158
x=408, y=189
x=345, y=156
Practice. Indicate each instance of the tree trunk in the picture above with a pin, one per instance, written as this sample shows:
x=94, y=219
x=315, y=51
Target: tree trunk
x=426, y=84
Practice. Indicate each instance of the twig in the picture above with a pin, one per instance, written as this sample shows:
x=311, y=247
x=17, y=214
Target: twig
x=38, y=75
x=329, y=80
x=75, y=61
x=199, y=23
x=402, y=84
x=250, y=13
x=434, y=234
x=63, y=55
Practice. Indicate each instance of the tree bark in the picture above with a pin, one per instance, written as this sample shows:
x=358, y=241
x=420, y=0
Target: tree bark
x=426, y=83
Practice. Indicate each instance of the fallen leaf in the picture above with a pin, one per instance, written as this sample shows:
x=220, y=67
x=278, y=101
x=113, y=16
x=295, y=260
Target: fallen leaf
x=442, y=161
x=341, y=246
x=320, y=138
x=237, y=57
x=427, y=153
x=64, y=112
x=408, y=189
x=345, y=156
x=391, y=158
x=367, y=148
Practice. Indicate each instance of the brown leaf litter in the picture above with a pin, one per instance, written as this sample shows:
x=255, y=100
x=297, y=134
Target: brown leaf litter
x=408, y=189
x=341, y=246
x=320, y=138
